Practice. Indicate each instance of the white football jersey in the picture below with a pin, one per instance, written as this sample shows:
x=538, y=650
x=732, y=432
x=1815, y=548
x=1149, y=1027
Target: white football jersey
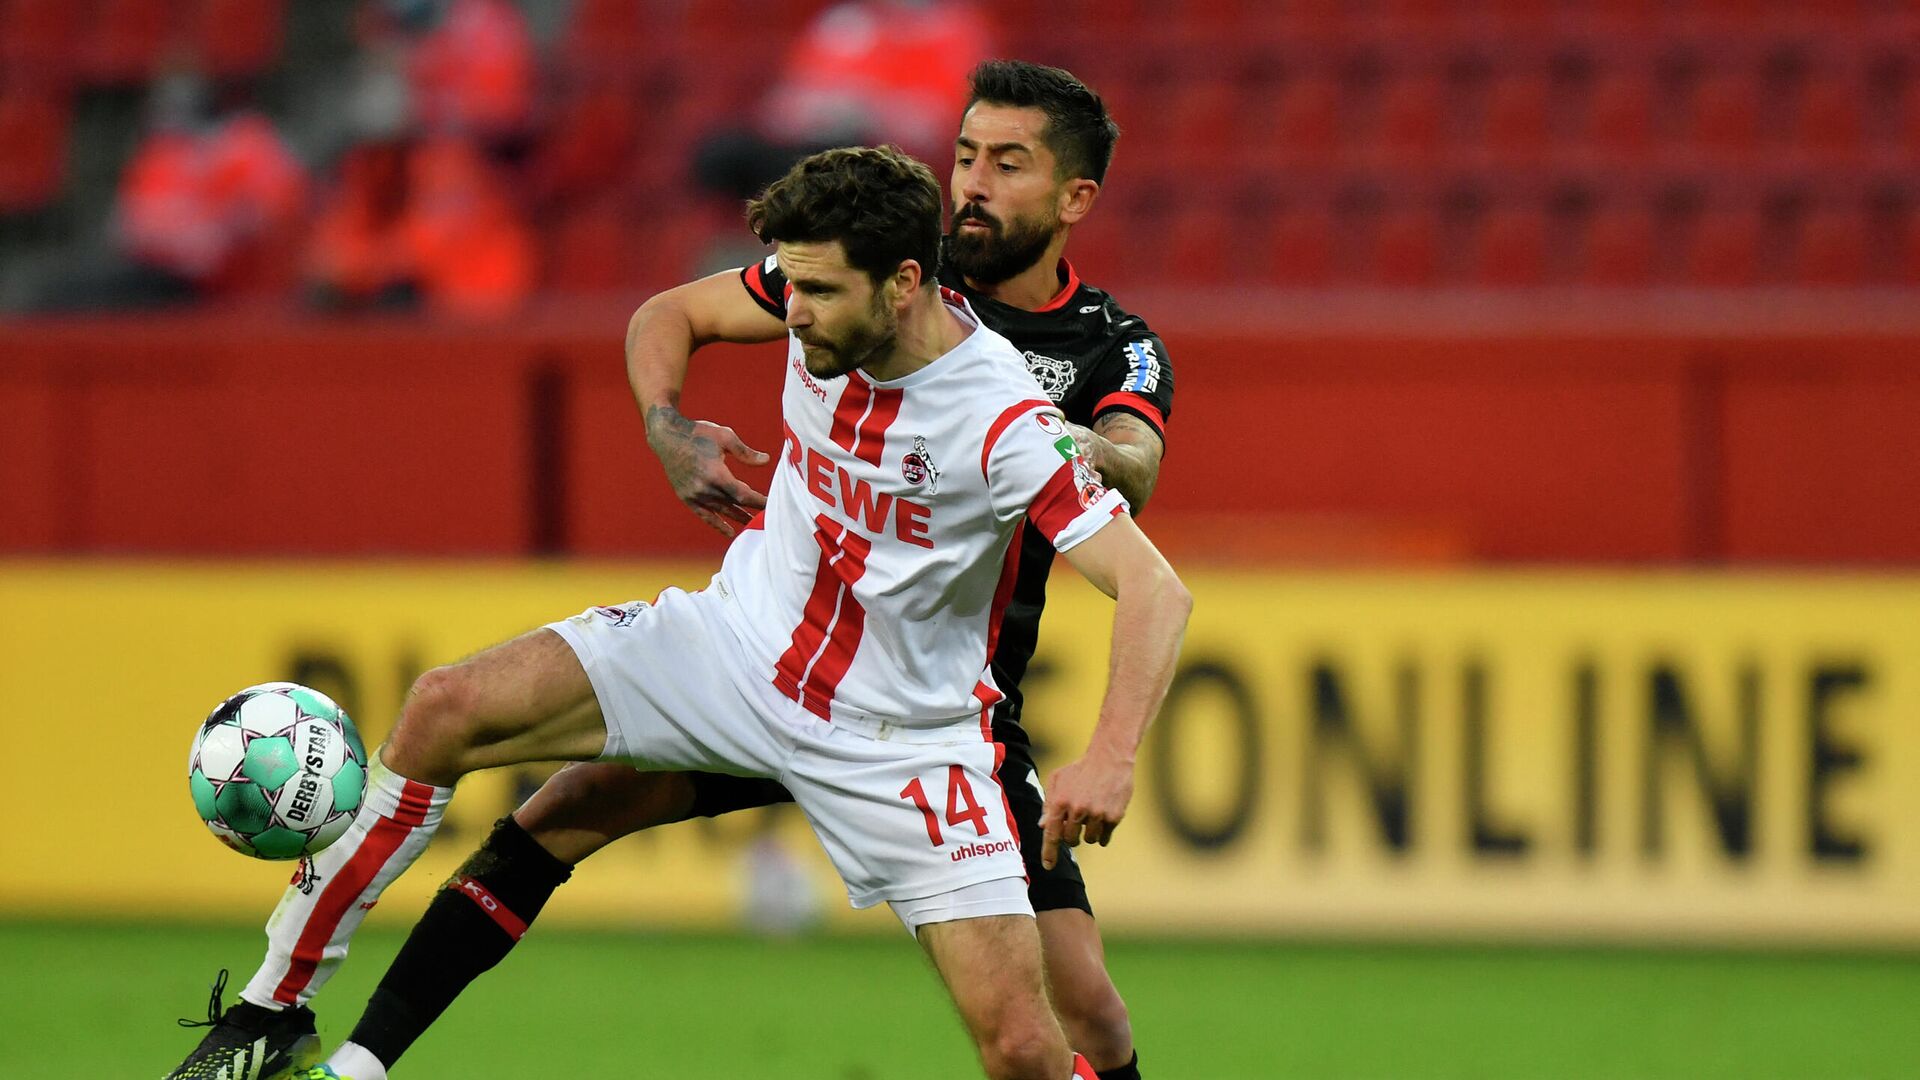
x=873, y=583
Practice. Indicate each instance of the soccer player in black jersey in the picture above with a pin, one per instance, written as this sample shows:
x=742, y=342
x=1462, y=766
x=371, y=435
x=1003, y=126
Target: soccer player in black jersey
x=1033, y=149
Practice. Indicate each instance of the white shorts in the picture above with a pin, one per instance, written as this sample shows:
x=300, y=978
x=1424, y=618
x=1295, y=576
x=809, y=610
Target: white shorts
x=904, y=813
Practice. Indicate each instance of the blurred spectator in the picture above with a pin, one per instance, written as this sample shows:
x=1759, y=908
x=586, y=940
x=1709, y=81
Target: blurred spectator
x=870, y=71
x=421, y=221
x=418, y=214
x=208, y=206
x=469, y=64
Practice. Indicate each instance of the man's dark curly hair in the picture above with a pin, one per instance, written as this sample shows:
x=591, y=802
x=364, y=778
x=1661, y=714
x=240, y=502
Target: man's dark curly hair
x=882, y=205
x=1079, y=131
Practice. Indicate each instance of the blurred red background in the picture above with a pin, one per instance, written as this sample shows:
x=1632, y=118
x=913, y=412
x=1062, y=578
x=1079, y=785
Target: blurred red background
x=1502, y=281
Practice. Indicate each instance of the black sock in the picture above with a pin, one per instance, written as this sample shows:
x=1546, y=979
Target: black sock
x=1129, y=1071
x=469, y=927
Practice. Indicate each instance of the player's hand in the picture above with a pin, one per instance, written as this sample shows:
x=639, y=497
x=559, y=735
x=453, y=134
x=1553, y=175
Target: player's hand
x=1091, y=445
x=694, y=453
x=1085, y=801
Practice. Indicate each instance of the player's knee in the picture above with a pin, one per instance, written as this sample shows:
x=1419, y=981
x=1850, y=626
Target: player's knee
x=1097, y=1022
x=436, y=722
x=1024, y=1048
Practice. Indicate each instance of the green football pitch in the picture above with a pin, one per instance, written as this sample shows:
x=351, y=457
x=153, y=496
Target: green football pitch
x=84, y=1000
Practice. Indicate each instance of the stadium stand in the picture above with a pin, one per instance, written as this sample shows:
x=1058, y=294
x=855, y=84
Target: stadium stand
x=1779, y=141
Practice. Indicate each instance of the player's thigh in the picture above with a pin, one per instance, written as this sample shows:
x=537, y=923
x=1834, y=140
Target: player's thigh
x=528, y=699
x=588, y=805
x=674, y=686
x=992, y=969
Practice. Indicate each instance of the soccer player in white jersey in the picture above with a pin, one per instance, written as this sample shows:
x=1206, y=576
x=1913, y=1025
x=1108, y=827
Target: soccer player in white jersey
x=843, y=646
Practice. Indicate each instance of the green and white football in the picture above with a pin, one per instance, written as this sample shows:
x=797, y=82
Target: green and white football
x=277, y=771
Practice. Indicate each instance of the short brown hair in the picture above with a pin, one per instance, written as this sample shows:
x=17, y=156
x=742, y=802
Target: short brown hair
x=879, y=203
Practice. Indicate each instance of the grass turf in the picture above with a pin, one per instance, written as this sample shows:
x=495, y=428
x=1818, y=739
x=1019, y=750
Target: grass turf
x=84, y=1000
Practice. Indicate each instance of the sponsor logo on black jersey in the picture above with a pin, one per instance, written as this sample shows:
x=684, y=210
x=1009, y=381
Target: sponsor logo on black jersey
x=1143, y=367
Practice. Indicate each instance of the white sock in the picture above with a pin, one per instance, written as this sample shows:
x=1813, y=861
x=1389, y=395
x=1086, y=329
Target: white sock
x=331, y=893
x=355, y=1062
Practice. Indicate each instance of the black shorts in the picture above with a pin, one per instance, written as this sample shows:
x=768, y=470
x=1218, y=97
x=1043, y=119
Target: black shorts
x=1050, y=890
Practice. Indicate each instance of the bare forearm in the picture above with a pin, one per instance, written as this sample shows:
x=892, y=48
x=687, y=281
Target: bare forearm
x=659, y=344
x=1130, y=470
x=1149, y=621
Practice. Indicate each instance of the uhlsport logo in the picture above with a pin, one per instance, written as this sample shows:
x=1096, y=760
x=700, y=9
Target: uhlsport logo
x=918, y=466
x=971, y=851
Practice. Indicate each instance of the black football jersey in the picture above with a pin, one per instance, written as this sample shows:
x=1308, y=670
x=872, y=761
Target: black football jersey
x=1091, y=357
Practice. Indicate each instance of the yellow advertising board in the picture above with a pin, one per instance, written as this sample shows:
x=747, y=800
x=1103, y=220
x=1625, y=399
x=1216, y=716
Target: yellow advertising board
x=1555, y=755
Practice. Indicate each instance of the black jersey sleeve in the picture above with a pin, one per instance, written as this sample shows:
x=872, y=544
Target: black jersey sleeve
x=1136, y=377
x=767, y=285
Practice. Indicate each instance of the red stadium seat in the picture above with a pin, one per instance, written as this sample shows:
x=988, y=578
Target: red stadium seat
x=1299, y=248
x=239, y=38
x=1829, y=121
x=1207, y=117
x=1097, y=243
x=1523, y=17
x=1620, y=116
x=1516, y=118
x=590, y=250
x=615, y=244
x=1832, y=247
x=606, y=36
x=1725, y=115
x=1199, y=241
x=1207, y=15
x=1619, y=248
x=1412, y=120
x=1723, y=248
x=129, y=39
x=589, y=145
x=33, y=129
x=1512, y=249
x=1406, y=248
x=1305, y=120
x=723, y=20
x=1910, y=257
x=38, y=39
x=1411, y=15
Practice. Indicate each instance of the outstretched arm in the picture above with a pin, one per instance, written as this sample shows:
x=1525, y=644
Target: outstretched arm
x=661, y=338
x=1086, y=799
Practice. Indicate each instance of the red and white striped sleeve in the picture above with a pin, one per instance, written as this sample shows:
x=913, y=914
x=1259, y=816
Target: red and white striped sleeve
x=1033, y=468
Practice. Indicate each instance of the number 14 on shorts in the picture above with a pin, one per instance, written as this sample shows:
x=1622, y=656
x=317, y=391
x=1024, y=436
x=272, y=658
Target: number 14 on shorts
x=962, y=807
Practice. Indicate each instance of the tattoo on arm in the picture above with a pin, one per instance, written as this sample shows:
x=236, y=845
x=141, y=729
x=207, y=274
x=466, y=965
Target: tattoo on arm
x=1128, y=429
x=682, y=450
x=663, y=420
